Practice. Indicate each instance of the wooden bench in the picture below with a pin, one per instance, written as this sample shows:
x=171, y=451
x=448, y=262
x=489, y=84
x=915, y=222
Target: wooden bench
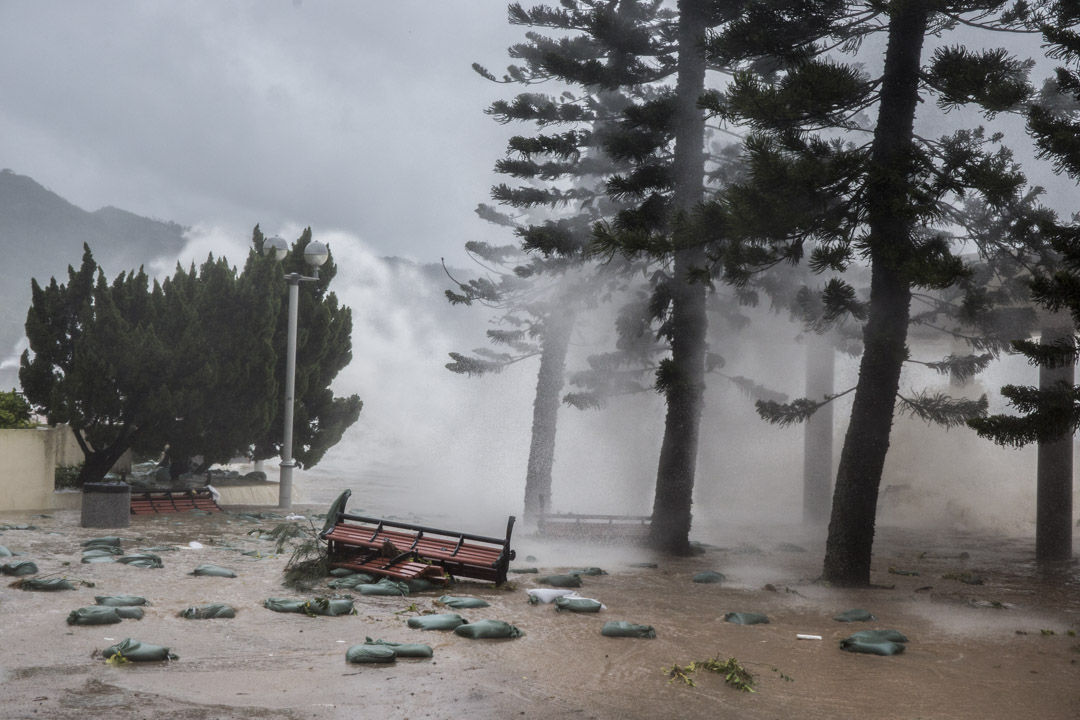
x=594, y=528
x=405, y=551
x=172, y=501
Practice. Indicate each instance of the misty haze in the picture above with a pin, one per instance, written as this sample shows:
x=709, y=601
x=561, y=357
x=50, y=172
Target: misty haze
x=677, y=347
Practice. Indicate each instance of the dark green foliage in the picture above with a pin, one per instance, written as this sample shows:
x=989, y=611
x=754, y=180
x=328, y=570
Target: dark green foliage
x=14, y=411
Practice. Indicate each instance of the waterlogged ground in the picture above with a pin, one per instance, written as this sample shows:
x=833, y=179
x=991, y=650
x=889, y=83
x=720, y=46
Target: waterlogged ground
x=1001, y=649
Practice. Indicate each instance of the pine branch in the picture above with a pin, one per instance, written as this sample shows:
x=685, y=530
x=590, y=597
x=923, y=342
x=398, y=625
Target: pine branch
x=959, y=368
x=940, y=409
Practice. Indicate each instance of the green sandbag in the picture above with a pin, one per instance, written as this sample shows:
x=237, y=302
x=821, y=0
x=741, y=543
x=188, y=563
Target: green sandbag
x=883, y=647
x=46, y=584
x=102, y=550
x=342, y=572
x=166, y=548
x=285, y=605
x=120, y=600
x=446, y=621
x=872, y=636
x=208, y=612
x=620, y=628
x=710, y=577
x=854, y=615
x=141, y=560
x=103, y=558
x=94, y=615
x=384, y=587
x=404, y=650
x=644, y=565
x=213, y=571
x=561, y=581
x=370, y=654
x=523, y=571
x=107, y=540
x=20, y=568
x=350, y=582
x=463, y=603
x=419, y=585
x=578, y=605
x=134, y=651
x=4, y=552
x=128, y=612
x=745, y=618
x=488, y=629
x=590, y=571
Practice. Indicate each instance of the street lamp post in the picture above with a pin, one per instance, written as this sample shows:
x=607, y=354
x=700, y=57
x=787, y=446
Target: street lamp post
x=315, y=254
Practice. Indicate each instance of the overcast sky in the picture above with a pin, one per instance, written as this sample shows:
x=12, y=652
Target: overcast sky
x=360, y=116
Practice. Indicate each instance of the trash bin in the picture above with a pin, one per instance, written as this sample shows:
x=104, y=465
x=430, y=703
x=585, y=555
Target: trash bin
x=106, y=505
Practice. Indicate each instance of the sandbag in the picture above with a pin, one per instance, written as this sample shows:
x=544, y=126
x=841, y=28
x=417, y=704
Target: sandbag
x=854, y=615
x=546, y=595
x=129, y=650
x=46, y=584
x=883, y=647
x=285, y=605
x=208, y=612
x=120, y=600
x=404, y=650
x=207, y=570
x=524, y=571
x=384, y=587
x=561, y=581
x=104, y=558
x=620, y=628
x=872, y=636
x=446, y=621
x=590, y=571
x=370, y=654
x=111, y=540
x=94, y=615
x=350, y=582
x=488, y=629
x=21, y=568
x=141, y=560
x=463, y=603
x=643, y=565
x=577, y=604
x=4, y=552
x=128, y=612
x=710, y=577
x=342, y=572
x=419, y=585
x=745, y=618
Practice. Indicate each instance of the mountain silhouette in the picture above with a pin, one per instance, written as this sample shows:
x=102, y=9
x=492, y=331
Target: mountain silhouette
x=42, y=234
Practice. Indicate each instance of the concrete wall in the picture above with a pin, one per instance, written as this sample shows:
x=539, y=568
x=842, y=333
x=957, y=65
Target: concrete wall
x=28, y=460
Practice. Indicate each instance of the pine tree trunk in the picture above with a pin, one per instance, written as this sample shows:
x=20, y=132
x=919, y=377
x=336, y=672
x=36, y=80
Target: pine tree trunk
x=1054, y=490
x=851, y=527
x=818, y=433
x=671, y=516
x=549, y=385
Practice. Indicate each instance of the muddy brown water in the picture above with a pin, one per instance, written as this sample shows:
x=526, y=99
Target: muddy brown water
x=975, y=651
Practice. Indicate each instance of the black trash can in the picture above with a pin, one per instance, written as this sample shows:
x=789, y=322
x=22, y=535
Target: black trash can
x=106, y=505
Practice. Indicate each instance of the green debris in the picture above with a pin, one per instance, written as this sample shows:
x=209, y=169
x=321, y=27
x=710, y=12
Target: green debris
x=734, y=674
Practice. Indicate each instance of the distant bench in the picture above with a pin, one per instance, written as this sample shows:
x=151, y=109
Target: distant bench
x=595, y=528
x=405, y=551
x=163, y=502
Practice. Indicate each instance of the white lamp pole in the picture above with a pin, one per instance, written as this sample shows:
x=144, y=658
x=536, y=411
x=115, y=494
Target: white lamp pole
x=315, y=254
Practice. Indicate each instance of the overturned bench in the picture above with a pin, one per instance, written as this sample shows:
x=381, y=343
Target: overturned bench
x=406, y=551
x=162, y=502
x=594, y=528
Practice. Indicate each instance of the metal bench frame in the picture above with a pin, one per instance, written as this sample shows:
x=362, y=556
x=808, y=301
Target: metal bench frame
x=361, y=543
